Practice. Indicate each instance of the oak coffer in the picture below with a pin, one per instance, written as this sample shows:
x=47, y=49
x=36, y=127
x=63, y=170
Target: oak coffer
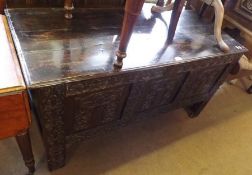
x=77, y=93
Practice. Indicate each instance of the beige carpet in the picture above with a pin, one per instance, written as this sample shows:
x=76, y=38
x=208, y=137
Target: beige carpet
x=218, y=142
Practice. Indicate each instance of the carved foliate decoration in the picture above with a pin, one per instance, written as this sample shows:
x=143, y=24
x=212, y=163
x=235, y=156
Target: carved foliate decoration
x=94, y=109
x=244, y=7
x=81, y=109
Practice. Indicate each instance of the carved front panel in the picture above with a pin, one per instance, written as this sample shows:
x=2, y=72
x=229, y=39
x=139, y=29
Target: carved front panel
x=244, y=7
x=147, y=95
x=88, y=110
x=201, y=81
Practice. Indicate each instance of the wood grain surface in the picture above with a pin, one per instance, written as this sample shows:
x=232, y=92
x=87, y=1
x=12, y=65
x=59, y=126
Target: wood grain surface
x=54, y=50
x=14, y=114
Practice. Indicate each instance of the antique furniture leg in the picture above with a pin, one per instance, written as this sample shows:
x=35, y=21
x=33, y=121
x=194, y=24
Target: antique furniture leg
x=132, y=10
x=24, y=143
x=55, y=149
x=250, y=90
x=51, y=113
x=177, y=9
x=195, y=109
x=219, y=15
x=68, y=5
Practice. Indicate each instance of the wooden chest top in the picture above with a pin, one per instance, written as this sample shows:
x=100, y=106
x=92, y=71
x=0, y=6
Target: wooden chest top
x=10, y=74
x=54, y=50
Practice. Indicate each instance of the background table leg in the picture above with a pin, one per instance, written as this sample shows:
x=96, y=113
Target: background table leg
x=177, y=9
x=24, y=143
x=132, y=10
x=68, y=5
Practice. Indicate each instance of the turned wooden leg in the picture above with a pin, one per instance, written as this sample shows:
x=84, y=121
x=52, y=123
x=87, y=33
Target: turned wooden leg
x=56, y=156
x=24, y=143
x=195, y=109
x=219, y=16
x=132, y=11
x=177, y=9
x=68, y=5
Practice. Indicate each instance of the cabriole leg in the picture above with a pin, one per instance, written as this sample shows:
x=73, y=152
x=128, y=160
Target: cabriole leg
x=219, y=15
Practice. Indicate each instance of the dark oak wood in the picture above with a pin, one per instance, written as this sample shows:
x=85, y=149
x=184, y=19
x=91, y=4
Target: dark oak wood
x=177, y=9
x=15, y=115
x=250, y=90
x=75, y=89
x=132, y=10
x=244, y=9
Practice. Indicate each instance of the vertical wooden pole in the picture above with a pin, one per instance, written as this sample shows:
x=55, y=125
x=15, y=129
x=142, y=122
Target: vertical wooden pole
x=132, y=11
x=177, y=9
x=68, y=5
